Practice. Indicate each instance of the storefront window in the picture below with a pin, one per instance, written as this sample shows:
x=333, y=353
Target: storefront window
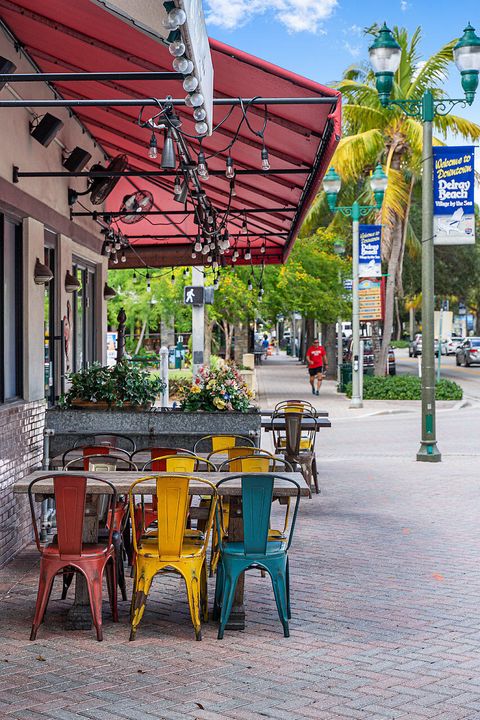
x=11, y=385
x=83, y=317
x=49, y=321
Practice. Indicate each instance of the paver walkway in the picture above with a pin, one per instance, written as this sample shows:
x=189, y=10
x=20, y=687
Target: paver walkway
x=386, y=615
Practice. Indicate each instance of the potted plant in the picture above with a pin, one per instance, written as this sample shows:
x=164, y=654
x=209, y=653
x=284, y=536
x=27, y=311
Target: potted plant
x=119, y=386
x=220, y=389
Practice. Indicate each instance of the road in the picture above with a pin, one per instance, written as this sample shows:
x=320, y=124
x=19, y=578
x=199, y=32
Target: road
x=467, y=377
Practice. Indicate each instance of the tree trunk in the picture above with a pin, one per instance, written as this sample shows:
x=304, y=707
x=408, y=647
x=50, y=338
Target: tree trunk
x=208, y=342
x=329, y=341
x=241, y=342
x=309, y=334
x=140, y=339
x=396, y=247
x=399, y=321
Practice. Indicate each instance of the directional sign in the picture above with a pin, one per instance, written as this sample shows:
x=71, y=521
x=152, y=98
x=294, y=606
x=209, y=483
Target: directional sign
x=193, y=295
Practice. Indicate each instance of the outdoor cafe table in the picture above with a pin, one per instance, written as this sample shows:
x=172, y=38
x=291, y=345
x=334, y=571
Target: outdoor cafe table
x=122, y=481
x=308, y=423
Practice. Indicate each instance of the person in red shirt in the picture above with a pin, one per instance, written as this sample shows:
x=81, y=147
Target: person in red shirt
x=317, y=360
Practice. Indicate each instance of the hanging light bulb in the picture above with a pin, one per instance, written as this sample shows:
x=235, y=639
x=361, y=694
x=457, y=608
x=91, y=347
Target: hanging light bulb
x=172, y=277
x=185, y=272
x=233, y=192
x=194, y=255
x=199, y=114
x=198, y=244
x=248, y=254
x=108, y=248
x=226, y=240
x=182, y=65
x=190, y=83
x=201, y=128
x=209, y=259
x=147, y=277
x=250, y=284
x=244, y=229
x=235, y=255
x=177, y=186
x=229, y=171
x=265, y=161
x=115, y=259
x=134, y=277
x=123, y=257
x=259, y=297
x=261, y=291
x=202, y=167
x=212, y=245
x=196, y=99
x=216, y=284
x=176, y=48
x=152, y=148
x=215, y=265
x=175, y=18
x=205, y=249
x=263, y=248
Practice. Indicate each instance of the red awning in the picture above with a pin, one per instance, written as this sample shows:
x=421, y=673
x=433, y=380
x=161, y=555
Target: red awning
x=83, y=37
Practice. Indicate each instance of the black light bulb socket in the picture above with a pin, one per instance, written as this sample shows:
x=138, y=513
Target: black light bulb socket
x=264, y=153
x=153, y=141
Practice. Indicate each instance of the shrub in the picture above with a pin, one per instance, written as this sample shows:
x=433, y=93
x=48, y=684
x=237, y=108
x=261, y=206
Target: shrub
x=404, y=387
x=400, y=343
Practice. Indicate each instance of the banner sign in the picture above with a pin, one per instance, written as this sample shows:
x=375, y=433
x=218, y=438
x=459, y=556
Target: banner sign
x=370, y=299
x=453, y=187
x=369, y=252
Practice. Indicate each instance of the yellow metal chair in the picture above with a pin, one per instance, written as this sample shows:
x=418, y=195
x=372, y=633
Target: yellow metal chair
x=307, y=439
x=170, y=548
x=215, y=443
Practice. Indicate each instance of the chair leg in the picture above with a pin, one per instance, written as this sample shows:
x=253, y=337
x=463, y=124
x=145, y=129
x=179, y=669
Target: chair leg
x=229, y=587
x=110, y=573
x=287, y=583
x=117, y=541
x=218, y=592
x=127, y=544
x=67, y=581
x=143, y=583
x=192, y=583
x=315, y=475
x=204, y=593
x=45, y=582
x=94, y=585
x=280, y=592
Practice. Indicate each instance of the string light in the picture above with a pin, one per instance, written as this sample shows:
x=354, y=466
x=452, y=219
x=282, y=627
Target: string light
x=123, y=257
x=185, y=272
x=152, y=148
x=134, y=277
x=202, y=167
x=265, y=160
x=172, y=277
x=248, y=254
x=147, y=277
x=250, y=284
x=229, y=171
x=233, y=192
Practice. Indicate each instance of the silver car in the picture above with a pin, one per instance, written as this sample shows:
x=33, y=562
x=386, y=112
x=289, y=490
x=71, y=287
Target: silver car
x=469, y=352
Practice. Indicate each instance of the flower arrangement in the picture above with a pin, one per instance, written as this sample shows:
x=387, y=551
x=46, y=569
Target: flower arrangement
x=222, y=388
x=117, y=386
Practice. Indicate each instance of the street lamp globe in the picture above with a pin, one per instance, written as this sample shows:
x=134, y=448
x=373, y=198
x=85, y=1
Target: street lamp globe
x=467, y=59
x=378, y=184
x=331, y=185
x=385, y=55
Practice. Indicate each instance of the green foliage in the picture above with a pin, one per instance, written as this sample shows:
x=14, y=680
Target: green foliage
x=114, y=385
x=233, y=302
x=213, y=390
x=404, y=387
x=400, y=343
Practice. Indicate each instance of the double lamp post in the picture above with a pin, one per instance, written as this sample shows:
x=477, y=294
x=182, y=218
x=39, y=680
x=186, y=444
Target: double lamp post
x=385, y=56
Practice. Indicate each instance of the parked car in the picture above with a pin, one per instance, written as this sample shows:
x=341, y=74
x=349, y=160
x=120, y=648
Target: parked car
x=468, y=353
x=451, y=345
x=368, y=360
x=415, y=347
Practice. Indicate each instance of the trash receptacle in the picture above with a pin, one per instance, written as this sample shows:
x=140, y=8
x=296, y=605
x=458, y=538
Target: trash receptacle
x=345, y=376
x=179, y=355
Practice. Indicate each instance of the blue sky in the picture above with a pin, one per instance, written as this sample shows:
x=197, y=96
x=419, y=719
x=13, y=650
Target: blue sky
x=320, y=38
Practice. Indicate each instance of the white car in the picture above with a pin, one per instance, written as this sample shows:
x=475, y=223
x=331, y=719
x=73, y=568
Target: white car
x=450, y=345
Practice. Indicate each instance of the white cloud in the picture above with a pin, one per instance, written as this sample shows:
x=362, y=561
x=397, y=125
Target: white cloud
x=403, y=5
x=295, y=15
x=354, y=50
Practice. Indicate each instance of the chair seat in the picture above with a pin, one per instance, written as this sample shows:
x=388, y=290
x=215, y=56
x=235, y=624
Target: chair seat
x=89, y=551
x=149, y=547
x=238, y=548
x=304, y=444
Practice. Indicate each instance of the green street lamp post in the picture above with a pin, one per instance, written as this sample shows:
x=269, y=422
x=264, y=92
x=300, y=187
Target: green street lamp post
x=339, y=249
x=331, y=186
x=385, y=55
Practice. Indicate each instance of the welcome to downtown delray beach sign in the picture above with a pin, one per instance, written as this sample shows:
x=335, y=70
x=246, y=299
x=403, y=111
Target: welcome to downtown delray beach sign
x=453, y=189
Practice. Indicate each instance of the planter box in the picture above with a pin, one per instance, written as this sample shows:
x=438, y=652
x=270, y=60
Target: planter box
x=148, y=427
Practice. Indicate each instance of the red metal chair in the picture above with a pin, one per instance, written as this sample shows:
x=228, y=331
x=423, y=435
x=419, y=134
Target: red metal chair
x=70, y=551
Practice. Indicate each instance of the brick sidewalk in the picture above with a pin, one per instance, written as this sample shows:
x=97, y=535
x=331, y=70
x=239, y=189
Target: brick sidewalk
x=386, y=620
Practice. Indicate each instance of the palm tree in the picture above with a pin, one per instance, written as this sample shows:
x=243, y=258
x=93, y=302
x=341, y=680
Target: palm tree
x=373, y=133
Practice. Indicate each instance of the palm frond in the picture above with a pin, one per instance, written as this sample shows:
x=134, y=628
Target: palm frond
x=363, y=116
x=433, y=73
x=457, y=126
x=396, y=197
x=355, y=152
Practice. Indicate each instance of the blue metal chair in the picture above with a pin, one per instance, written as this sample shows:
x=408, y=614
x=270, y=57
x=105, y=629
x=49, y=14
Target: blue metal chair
x=256, y=550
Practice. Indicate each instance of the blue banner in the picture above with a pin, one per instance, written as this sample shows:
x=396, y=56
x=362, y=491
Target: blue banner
x=453, y=188
x=369, y=252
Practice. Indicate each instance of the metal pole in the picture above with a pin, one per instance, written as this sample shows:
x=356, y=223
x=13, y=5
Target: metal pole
x=356, y=401
x=164, y=374
x=440, y=329
x=88, y=76
x=198, y=322
x=339, y=340
x=428, y=451
x=152, y=102
x=17, y=174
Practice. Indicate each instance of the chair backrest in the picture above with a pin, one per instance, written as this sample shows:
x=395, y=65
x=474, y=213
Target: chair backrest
x=172, y=506
x=296, y=406
x=157, y=456
x=262, y=462
x=257, y=496
x=103, y=462
x=78, y=451
x=172, y=463
x=215, y=443
x=70, y=493
x=113, y=440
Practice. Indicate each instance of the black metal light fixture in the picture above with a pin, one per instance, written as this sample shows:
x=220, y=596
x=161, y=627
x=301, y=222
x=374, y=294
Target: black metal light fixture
x=42, y=273
x=44, y=129
x=72, y=283
x=76, y=160
x=7, y=67
x=108, y=292
x=168, y=161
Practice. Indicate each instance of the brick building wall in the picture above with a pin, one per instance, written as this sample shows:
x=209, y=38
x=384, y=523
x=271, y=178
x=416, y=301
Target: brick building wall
x=21, y=449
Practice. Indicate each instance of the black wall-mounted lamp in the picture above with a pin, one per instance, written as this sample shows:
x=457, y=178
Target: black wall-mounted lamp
x=44, y=129
x=72, y=284
x=42, y=273
x=76, y=160
x=7, y=67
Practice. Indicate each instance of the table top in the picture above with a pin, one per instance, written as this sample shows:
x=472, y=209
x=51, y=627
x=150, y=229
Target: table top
x=308, y=423
x=269, y=413
x=122, y=481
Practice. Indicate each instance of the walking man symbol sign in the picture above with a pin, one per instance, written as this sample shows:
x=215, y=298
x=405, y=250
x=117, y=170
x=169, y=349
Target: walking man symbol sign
x=193, y=295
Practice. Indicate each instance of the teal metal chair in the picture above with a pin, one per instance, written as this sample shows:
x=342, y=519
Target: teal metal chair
x=256, y=550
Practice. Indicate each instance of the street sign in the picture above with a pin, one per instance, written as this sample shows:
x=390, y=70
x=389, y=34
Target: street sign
x=453, y=195
x=369, y=253
x=193, y=295
x=347, y=284
x=370, y=299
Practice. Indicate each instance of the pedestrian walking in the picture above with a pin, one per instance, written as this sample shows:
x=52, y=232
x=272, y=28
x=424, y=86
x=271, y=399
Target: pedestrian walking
x=265, y=344
x=317, y=361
